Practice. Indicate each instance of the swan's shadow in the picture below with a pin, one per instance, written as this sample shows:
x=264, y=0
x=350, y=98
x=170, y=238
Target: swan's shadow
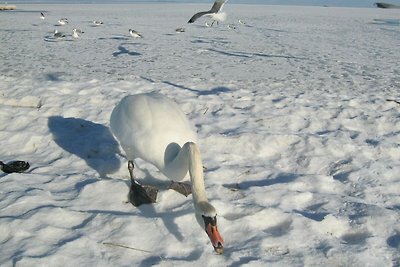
x=90, y=141
x=168, y=218
x=154, y=260
x=148, y=210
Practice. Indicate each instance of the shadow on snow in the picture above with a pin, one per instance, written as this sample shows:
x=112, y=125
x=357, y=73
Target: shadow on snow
x=90, y=141
x=213, y=91
x=282, y=178
x=124, y=51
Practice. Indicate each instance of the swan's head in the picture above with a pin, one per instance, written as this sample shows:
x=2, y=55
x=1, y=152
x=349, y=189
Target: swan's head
x=206, y=216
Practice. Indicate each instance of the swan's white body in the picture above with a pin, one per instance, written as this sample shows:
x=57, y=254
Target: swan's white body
x=152, y=127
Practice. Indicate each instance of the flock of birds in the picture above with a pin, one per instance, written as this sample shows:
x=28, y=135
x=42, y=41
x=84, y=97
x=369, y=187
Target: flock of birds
x=215, y=13
x=76, y=33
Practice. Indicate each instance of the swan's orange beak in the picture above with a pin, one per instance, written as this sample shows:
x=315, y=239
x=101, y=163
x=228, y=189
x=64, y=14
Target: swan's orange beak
x=215, y=237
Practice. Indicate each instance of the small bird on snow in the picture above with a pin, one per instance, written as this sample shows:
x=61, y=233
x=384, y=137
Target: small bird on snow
x=76, y=33
x=58, y=34
x=134, y=33
x=97, y=23
x=63, y=21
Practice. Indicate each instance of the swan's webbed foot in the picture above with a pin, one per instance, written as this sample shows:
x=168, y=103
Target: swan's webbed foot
x=183, y=188
x=140, y=194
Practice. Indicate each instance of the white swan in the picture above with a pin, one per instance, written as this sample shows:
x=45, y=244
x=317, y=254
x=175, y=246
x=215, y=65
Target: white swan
x=152, y=127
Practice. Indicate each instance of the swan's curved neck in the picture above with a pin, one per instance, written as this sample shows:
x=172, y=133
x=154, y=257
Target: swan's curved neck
x=189, y=159
x=196, y=173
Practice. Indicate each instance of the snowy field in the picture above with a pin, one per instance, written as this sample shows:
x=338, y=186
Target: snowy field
x=299, y=135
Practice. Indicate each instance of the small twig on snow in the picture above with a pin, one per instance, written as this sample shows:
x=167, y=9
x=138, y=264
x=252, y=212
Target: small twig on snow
x=131, y=248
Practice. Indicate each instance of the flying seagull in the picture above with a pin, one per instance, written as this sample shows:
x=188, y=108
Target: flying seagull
x=386, y=5
x=42, y=15
x=213, y=12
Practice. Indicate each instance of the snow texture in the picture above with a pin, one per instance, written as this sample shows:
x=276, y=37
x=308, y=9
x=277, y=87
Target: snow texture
x=295, y=110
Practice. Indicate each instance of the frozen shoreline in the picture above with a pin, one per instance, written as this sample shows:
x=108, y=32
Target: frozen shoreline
x=298, y=139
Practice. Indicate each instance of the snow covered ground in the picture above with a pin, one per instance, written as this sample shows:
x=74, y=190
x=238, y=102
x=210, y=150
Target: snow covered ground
x=300, y=143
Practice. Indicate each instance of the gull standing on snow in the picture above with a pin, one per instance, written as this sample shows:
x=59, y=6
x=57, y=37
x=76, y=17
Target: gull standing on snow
x=134, y=33
x=76, y=33
x=179, y=30
x=63, y=21
x=58, y=34
x=97, y=23
x=214, y=12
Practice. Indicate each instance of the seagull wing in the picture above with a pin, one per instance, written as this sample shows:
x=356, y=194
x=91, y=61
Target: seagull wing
x=198, y=15
x=217, y=6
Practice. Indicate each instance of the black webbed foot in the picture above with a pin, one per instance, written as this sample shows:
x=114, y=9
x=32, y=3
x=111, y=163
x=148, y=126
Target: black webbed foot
x=139, y=194
x=183, y=188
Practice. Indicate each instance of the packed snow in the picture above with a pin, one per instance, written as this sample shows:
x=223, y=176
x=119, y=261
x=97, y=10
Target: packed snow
x=297, y=113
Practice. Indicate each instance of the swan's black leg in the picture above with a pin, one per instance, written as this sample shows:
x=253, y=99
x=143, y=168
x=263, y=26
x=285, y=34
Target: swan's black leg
x=131, y=166
x=139, y=194
x=183, y=188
